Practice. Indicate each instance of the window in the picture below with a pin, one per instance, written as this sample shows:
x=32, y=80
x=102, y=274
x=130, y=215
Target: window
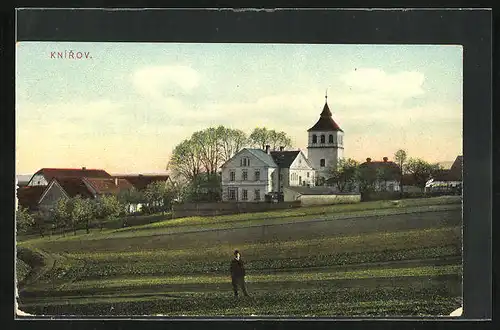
x=257, y=194
x=300, y=179
x=232, y=194
x=232, y=176
x=244, y=175
x=307, y=174
x=257, y=175
x=245, y=194
x=322, y=138
x=245, y=161
x=315, y=138
x=330, y=138
x=322, y=162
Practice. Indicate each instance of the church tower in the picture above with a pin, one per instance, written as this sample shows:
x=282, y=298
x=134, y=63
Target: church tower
x=325, y=144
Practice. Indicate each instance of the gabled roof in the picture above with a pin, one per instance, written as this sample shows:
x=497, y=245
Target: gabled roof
x=28, y=196
x=74, y=186
x=263, y=156
x=51, y=173
x=393, y=168
x=325, y=122
x=108, y=186
x=140, y=181
x=284, y=159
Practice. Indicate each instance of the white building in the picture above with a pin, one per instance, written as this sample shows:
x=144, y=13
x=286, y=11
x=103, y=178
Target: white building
x=325, y=143
x=252, y=173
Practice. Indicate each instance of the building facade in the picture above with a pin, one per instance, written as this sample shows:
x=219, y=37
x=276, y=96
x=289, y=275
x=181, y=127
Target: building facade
x=252, y=174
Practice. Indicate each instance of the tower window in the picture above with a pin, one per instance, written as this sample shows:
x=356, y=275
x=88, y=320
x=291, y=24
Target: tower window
x=322, y=138
x=330, y=138
x=315, y=138
x=322, y=162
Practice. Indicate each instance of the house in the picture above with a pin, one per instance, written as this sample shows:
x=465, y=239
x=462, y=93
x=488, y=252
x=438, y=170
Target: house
x=249, y=175
x=294, y=168
x=321, y=195
x=141, y=181
x=29, y=196
x=84, y=187
x=449, y=180
x=252, y=174
x=45, y=175
x=384, y=175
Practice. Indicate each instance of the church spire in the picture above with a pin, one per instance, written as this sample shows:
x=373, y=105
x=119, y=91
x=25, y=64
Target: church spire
x=326, y=95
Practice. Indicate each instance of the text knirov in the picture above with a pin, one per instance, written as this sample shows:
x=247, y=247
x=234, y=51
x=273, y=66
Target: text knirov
x=70, y=54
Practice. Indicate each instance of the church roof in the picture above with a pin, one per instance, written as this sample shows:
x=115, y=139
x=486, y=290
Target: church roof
x=325, y=122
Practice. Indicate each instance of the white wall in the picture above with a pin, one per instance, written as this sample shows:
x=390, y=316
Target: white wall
x=331, y=152
x=264, y=184
x=38, y=180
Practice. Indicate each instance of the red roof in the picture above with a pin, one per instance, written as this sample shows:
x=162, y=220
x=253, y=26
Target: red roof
x=74, y=187
x=140, y=182
x=28, y=196
x=51, y=173
x=325, y=122
x=109, y=186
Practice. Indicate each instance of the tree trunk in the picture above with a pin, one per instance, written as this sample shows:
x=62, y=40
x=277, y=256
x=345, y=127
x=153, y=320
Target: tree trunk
x=87, y=227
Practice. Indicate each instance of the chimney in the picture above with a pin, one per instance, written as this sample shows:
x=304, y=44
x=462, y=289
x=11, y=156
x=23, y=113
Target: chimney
x=368, y=160
x=84, y=168
x=282, y=148
x=385, y=159
x=268, y=149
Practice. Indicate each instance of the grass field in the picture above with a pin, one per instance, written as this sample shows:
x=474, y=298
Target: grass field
x=367, y=259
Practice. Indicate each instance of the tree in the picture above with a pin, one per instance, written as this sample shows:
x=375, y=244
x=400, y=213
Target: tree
x=366, y=177
x=204, y=188
x=384, y=174
x=160, y=195
x=344, y=174
x=107, y=208
x=231, y=142
x=400, y=157
x=186, y=160
x=421, y=171
x=82, y=213
x=261, y=136
x=62, y=214
x=24, y=219
x=130, y=197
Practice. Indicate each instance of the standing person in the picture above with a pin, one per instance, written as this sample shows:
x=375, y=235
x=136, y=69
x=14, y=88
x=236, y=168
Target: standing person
x=238, y=274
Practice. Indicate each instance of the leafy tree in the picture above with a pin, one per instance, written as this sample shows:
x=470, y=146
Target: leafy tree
x=400, y=157
x=206, y=188
x=231, y=141
x=159, y=196
x=421, y=170
x=344, y=174
x=186, y=160
x=366, y=177
x=107, y=208
x=131, y=196
x=261, y=136
x=82, y=213
x=384, y=174
x=62, y=214
x=24, y=219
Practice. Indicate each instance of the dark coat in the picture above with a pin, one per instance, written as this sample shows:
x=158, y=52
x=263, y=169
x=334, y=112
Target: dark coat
x=237, y=268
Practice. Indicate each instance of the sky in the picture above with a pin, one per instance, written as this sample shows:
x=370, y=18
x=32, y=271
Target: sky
x=126, y=106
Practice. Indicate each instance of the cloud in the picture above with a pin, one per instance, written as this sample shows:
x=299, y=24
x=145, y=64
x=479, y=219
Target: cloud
x=161, y=81
x=376, y=87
